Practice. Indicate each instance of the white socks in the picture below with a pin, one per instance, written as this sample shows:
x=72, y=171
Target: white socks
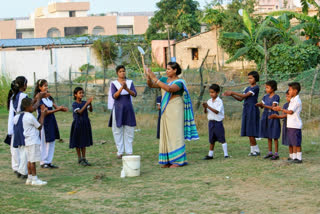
x=210, y=153
x=252, y=149
x=294, y=156
x=256, y=148
x=291, y=156
x=299, y=155
x=225, y=149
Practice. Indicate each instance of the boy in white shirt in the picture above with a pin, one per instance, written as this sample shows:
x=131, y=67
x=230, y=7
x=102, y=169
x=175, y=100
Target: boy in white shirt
x=294, y=122
x=215, y=113
x=31, y=129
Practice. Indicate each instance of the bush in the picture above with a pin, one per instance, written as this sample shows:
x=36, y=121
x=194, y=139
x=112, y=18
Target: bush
x=5, y=85
x=287, y=61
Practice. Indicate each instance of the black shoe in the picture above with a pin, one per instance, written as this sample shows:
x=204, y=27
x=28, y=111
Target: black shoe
x=18, y=174
x=275, y=157
x=257, y=153
x=45, y=166
x=24, y=176
x=226, y=157
x=269, y=155
x=86, y=162
x=297, y=161
x=51, y=166
x=253, y=154
x=82, y=162
x=289, y=159
x=207, y=158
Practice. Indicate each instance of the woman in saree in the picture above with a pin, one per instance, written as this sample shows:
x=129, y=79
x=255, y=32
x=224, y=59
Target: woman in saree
x=177, y=119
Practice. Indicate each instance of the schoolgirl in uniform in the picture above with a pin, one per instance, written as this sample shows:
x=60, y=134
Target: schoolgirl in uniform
x=81, y=132
x=49, y=131
x=270, y=128
x=122, y=118
x=250, y=114
x=15, y=97
x=283, y=116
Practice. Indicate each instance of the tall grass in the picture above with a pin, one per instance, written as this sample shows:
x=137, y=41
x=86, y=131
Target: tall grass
x=4, y=89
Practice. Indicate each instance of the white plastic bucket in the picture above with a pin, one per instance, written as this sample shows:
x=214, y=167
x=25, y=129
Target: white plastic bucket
x=131, y=165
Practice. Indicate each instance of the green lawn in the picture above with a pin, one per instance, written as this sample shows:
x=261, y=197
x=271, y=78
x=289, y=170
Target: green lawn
x=240, y=184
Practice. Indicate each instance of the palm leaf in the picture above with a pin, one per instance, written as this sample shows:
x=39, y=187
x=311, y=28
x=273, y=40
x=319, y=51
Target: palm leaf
x=262, y=27
x=240, y=52
x=260, y=49
x=248, y=23
x=305, y=6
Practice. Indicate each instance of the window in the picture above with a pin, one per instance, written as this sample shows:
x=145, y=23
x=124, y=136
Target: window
x=125, y=30
x=73, y=31
x=72, y=13
x=98, y=30
x=195, y=53
x=53, y=32
x=19, y=35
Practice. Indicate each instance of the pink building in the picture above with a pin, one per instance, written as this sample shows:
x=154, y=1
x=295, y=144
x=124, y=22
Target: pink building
x=71, y=18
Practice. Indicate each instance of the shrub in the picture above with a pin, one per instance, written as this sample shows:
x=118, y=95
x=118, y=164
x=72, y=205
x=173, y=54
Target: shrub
x=5, y=85
x=286, y=60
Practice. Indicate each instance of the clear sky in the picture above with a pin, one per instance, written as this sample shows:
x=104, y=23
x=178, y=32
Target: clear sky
x=21, y=8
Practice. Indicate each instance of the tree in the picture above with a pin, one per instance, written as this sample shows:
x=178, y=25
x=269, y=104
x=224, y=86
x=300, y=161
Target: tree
x=234, y=23
x=214, y=18
x=175, y=17
x=251, y=37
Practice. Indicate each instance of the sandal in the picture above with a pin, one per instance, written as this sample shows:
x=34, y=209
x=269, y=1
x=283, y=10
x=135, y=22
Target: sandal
x=166, y=166
x=174, y=166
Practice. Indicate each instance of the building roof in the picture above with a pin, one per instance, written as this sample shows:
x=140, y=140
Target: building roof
x=83, y=40
x=183, y=40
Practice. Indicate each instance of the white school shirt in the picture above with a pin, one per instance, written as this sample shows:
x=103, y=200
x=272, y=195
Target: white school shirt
x=217, y=104
x=12, y=111
x=294, y=120
x=30, y=128
x=118, y=86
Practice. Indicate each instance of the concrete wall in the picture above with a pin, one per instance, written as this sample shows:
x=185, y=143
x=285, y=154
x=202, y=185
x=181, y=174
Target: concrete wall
x=204, y=42
x=109, y=23
x=141, y=24
x=17, y=63
x=8, y=29
x=158, y=51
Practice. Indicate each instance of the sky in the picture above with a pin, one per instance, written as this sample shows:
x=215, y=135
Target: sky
x=23, y=8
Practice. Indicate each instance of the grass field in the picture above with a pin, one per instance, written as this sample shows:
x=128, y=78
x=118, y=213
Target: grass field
x=240, y=184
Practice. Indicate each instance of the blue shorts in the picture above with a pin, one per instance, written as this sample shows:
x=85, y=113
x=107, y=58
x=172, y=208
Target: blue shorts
x=294, y=137
x=216, y=132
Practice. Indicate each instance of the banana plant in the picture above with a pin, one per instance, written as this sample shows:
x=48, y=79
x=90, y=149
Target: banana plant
x=251, y=37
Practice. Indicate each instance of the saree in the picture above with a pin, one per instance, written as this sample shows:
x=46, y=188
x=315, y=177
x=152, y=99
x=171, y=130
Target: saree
x=177, y=125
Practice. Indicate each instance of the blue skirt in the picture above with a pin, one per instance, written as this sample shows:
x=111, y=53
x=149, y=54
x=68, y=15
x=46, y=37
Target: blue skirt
x=269, y=128
x=81, y=133
x=250, y=120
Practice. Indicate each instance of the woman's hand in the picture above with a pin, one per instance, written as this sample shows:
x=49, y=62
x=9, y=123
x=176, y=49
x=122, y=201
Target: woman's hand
x=64, y=109
x=227, y=93
x=151, y=75
x=124, y=86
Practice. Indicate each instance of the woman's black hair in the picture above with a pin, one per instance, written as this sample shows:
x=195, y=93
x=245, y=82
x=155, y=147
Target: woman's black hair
x=255, y=75
x=175, y=66
x=215, y=87
x=37, y=90
x=75, y=91
x=16, y=85
x=119, y=67
x=272, y=84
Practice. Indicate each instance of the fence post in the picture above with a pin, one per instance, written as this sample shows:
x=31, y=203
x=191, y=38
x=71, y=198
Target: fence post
x=202, y=87
x=104, y=85
x=86, y=83
x=312, y=89
x=56, y=86
x=34, y=81
x=70, y=87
